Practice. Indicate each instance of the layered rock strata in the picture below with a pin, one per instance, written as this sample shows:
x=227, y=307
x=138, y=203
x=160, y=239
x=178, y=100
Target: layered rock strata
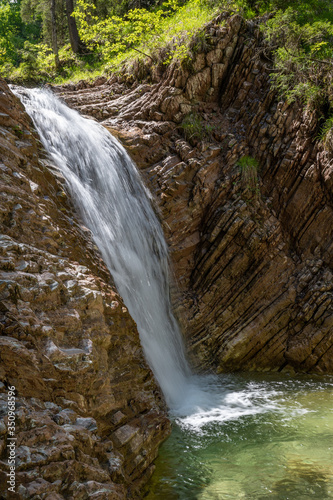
x=251, y=250
x=89, y=416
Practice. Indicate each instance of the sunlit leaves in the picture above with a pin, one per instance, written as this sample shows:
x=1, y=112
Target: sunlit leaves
x=170, y=26
x=303, y=64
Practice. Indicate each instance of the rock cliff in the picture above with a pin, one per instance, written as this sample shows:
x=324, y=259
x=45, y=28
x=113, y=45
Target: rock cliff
x=250, y=238
x=89, y=416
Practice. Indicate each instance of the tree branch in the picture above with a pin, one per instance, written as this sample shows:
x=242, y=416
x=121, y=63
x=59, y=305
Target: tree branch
x=143, y=53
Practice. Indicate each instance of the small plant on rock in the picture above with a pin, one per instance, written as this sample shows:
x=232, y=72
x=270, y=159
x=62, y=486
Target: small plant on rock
x=17, y=131
x=194, y=129
x=200, y=42
x=326, y=133
x=249, y=176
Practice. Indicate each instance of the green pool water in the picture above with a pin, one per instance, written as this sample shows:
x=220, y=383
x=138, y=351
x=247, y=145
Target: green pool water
x=270, y=438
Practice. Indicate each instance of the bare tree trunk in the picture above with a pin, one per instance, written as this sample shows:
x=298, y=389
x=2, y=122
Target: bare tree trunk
x=54, y=34
x=76, y=43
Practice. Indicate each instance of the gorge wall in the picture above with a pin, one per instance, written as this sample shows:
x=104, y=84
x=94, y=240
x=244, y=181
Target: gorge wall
x=89, y=415
x=253, y=262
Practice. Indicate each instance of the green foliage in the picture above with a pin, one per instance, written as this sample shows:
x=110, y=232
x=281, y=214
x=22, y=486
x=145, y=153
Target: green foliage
x=243, y=7
x=9, y=33
x=32, y=57
x=38, y=65
x=39, y=11
x=249, y=176
x=14, y=32
x=247, y=162
x=194, y=129
x=302, y=57
x=326, y=132
x=165, y=30
x=299, y=37
x=308, y=11
x=116, y=34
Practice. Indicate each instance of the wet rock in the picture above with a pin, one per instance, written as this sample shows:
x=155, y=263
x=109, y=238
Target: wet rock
x=124, y=434
x=63, y=342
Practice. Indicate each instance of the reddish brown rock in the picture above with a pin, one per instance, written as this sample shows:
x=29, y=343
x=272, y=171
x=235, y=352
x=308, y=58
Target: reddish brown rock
x=67, y=343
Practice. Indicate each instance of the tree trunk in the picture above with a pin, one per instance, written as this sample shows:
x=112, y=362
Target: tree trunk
x=76, y=43
x=54, y=34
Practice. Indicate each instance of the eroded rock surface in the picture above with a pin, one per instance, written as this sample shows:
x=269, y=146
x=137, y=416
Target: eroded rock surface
x=253, y=262
x=89, y=416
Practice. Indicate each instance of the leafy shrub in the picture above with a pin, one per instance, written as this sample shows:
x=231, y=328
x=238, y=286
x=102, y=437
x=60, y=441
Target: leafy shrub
x=302, y=58
x=142, y=31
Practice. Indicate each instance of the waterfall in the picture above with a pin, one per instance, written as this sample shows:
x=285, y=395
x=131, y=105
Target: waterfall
x=115, y=205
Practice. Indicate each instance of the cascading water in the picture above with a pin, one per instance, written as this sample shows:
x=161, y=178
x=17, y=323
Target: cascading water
x=116, y=207
x=210, y=411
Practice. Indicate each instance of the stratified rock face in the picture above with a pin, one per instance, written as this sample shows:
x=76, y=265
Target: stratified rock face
x=89, y=416
x=253, y=258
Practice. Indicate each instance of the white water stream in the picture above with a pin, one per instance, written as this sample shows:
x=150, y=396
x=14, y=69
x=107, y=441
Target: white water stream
x=114, y=204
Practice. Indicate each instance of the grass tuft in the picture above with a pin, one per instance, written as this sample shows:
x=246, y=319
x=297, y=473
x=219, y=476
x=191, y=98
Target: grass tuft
x=194, y=129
